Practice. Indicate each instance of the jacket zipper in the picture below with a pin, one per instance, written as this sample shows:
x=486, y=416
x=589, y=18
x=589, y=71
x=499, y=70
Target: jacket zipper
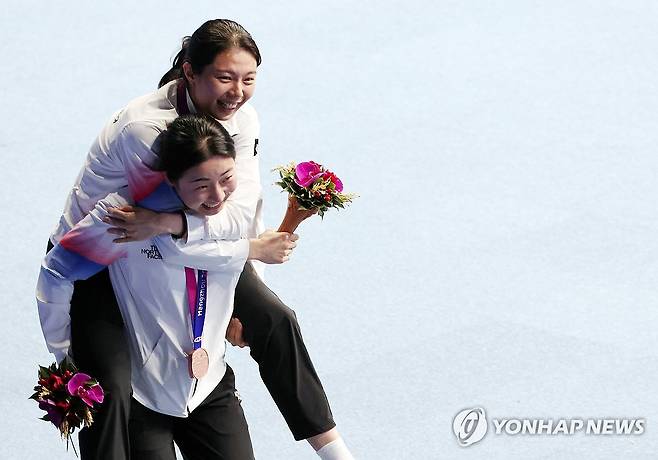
x=196, y=382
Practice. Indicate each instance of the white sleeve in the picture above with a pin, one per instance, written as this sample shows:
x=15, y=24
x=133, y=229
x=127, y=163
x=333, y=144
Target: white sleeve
x=206, y=255
x=134, y=147
x=85, y=250
x=54, y=294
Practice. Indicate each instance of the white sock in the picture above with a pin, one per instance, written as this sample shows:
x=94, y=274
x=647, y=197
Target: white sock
x=335, y=450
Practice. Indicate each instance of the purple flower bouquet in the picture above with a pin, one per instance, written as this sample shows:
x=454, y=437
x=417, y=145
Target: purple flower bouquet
x=311, y=189
x=67, y=396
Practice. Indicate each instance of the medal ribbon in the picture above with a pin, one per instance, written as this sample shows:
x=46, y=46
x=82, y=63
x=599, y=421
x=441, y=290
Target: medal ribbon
x=196, y=298
x=181, y=98
x=196, y=293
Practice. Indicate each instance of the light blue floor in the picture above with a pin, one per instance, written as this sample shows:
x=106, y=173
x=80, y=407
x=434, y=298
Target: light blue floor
x=503, y=252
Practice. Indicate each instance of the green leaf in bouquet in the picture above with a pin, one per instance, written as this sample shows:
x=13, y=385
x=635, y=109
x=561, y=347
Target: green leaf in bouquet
x=44, y=372
x=65, y=364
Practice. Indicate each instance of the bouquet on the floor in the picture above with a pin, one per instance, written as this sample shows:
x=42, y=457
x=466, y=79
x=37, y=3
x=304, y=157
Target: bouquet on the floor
x=69, y=397
x=311, y=189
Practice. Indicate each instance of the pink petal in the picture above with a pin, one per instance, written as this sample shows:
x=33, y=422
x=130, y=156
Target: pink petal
x=305, y=171
x=306, y=168
x=96, y=394
x=310, y=180
x=339, y=184
x=76, y=382
x=303, y=183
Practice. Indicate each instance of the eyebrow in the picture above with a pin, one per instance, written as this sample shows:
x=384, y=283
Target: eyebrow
x=199, y=179
x=253, y=72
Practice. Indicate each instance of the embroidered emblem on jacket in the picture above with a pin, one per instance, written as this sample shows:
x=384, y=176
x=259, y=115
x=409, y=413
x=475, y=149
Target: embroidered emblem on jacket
x=152, y=252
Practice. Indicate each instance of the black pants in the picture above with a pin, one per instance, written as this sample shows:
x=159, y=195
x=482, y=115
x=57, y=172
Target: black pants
x=99, y=348
x=215, y=430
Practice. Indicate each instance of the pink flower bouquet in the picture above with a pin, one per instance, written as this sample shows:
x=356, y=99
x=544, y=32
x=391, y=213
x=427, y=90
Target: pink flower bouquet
x=311, y=189
x=68, y=397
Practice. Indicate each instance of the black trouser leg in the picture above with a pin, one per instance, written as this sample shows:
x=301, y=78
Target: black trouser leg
x=276, y=344
x=152, y=434
x=216, y=430
x=100, y=349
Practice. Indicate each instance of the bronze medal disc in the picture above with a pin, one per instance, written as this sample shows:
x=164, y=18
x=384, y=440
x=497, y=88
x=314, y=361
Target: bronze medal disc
x=198, y=363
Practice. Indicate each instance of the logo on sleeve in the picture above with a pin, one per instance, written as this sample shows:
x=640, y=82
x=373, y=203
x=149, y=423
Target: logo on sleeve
x=256, y=147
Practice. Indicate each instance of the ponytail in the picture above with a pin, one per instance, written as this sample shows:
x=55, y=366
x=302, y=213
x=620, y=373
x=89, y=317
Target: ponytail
x=176, y=70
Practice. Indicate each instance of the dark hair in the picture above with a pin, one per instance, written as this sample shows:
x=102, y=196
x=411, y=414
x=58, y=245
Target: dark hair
x=190, y=140
x=209, y=40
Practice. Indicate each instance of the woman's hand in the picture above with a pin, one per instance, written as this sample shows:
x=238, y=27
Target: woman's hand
x=234, y=334
x=272, y=247
x=132, y=223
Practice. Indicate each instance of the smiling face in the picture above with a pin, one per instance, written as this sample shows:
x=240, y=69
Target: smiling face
x=224, y=85
x=205, y=187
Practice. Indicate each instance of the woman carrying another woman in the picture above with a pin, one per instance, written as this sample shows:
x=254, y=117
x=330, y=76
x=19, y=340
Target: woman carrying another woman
x=218, y=65
x=175, y=316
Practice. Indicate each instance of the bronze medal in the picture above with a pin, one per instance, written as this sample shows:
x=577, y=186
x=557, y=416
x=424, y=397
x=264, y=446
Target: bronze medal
x=198, y=363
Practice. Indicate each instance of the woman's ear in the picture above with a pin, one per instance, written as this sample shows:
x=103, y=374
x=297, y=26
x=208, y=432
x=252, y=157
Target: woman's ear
x=187, y=71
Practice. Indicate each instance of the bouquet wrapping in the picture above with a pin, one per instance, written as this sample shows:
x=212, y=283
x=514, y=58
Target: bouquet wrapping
x=311, y=189
x=68, y=397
